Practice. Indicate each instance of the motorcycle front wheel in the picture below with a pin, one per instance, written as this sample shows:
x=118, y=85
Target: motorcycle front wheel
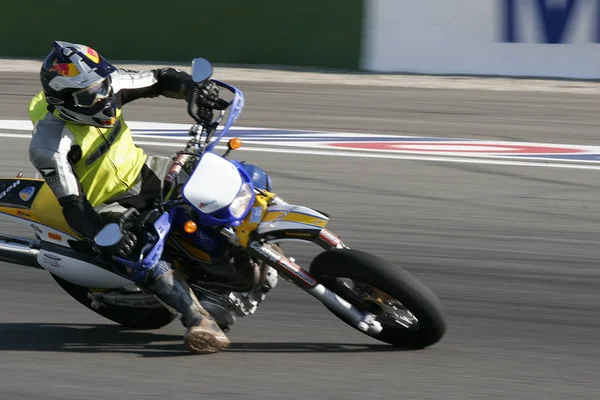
x=410, y=313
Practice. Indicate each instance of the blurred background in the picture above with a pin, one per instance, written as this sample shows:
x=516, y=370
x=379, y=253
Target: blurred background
x=307, y=33
x=508, y=239
x=536, y=38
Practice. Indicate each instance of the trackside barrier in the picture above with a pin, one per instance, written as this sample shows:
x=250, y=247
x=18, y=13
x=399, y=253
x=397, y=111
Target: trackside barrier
x=538, y=38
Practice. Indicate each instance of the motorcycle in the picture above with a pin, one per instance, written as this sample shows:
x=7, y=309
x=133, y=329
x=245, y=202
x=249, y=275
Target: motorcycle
x=219, y=223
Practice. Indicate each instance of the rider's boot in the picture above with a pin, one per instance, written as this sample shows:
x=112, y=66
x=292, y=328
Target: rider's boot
x=203, y=334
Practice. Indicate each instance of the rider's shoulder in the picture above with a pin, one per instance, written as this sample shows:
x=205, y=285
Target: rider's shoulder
x=49, y=131
x=124, y=78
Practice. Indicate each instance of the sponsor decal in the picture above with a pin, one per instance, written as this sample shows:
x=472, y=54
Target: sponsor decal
x=162, y=226
x=26, y=193
x=55, y=264
x=256, y=214
x=287, y=264
x=9, y=188
x=298, y=234
x=48, y=172
x=283, y=215
x=298, y=272
x=203, y=204
x=54, y=101
x=553, y=21
x=103, y=149
x=92, y=55
x=64, y=69
x=329, y=237
x=36, y=228
x=50, y=260
x=23, y=213
x=55, y=236
x=266, y=251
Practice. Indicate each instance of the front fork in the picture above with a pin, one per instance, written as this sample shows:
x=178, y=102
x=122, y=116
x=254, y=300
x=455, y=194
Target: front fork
x=364, y=321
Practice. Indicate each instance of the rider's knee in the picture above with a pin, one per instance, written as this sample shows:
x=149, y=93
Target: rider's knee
x=152, y=274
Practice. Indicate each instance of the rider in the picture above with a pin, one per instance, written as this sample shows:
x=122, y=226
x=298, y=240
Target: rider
x=84, y=150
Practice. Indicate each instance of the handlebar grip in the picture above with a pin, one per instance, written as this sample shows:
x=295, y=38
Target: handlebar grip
x=128, y=214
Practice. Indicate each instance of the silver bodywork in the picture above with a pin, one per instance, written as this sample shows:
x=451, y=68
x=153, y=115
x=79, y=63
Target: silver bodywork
x=224, y=308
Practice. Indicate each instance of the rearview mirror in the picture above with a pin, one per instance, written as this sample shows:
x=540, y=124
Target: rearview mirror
x=202, y=69
x=109, y=236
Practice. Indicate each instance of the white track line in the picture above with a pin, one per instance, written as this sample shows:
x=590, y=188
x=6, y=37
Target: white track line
x=463, y=160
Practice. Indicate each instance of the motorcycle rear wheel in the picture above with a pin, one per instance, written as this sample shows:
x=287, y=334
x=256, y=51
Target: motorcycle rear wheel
x=135, y=318
x=411, y=314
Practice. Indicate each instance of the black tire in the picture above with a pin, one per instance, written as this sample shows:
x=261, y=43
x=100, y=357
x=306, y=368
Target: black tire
x=393, y=280
x=135, y=318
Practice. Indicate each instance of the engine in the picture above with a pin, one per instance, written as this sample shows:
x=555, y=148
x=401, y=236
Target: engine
x=227, y=306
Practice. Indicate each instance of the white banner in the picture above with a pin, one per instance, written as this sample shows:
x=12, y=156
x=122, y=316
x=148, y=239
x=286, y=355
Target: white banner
x=538, y=38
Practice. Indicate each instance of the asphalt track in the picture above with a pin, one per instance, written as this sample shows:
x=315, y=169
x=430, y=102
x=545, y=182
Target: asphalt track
x=511, y=251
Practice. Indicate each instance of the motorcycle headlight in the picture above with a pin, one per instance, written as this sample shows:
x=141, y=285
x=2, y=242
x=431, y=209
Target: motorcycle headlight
x=242, y=201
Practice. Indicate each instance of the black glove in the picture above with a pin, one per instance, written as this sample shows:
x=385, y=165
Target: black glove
x=126, y=246
x=206, y=99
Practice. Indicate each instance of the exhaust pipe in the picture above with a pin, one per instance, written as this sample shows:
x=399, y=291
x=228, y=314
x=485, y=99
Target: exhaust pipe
x=20, y=251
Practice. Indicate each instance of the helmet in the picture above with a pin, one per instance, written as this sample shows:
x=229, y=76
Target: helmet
x=77, y=83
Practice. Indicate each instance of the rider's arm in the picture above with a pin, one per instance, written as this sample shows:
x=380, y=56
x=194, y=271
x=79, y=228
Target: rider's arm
x=169, y=82
x=49, y=152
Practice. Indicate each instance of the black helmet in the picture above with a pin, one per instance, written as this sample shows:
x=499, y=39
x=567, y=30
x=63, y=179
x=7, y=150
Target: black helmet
x=77, y=83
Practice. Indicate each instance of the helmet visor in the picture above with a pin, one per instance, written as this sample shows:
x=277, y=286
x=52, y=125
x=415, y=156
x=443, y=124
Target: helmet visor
x=91, y=95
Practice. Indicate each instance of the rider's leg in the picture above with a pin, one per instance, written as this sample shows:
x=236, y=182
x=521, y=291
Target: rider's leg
x=203, y=334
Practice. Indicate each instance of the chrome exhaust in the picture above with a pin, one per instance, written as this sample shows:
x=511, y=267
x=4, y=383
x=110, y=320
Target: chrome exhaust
x=20, y=251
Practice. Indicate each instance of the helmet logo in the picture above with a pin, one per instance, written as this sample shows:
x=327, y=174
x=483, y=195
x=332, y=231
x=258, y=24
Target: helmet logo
x=53, y=100
x=92, y=55
x=109, y=122
x=64, y=69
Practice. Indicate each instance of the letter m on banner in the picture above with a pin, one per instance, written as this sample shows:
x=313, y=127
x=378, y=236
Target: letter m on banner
x=555, y=18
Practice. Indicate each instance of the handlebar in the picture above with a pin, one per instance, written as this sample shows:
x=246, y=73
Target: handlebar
x=235, y=109
x=131, y=212
x=236, y=105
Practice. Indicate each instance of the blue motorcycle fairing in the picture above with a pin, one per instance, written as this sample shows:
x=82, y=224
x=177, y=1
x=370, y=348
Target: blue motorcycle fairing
x=223, y=216
x=204, y=239
x=139, y=269
x=259, y=177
